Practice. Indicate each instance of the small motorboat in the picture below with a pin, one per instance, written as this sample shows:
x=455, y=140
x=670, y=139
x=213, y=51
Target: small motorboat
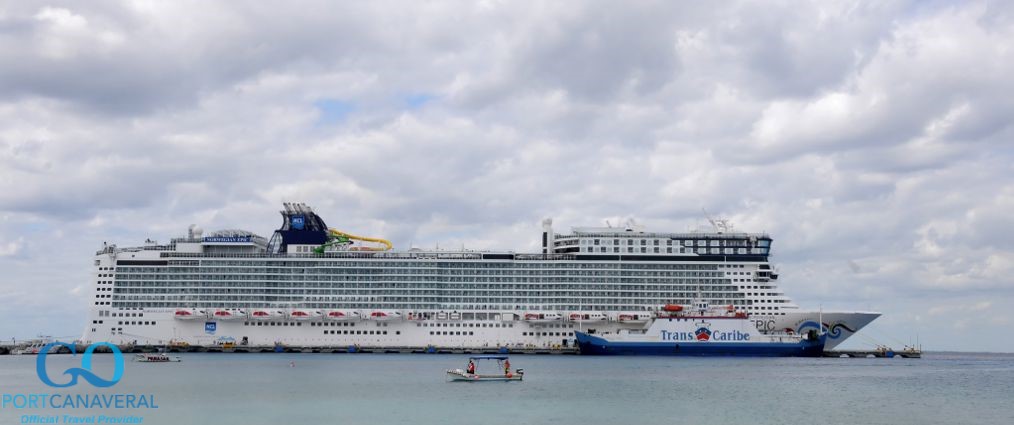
x=461, y=375
x=156, y=358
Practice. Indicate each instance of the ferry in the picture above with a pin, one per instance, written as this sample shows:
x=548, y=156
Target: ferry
x=702, y=332
x=310, y=285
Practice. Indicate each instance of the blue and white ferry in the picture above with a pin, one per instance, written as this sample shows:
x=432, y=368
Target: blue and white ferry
x=703, y=331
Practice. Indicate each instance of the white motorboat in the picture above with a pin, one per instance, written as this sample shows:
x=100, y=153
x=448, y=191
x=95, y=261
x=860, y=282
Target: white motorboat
x=461, y=375
x=156, y=358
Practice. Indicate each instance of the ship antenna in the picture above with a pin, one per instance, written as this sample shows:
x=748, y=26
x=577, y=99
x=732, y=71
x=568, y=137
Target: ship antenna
x=820, y=319
x=720, y=224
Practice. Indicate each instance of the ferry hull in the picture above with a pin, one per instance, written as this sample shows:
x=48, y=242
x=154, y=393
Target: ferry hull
x=838, y=325
x=593, y=345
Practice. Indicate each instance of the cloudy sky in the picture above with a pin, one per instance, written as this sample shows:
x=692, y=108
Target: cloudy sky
x=874, y=142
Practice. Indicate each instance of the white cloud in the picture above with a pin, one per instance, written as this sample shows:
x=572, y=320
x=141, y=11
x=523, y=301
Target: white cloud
x=872, y=141
x=11, y=248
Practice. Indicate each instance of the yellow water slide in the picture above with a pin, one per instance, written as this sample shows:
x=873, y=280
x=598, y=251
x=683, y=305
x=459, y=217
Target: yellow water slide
x=387, y=244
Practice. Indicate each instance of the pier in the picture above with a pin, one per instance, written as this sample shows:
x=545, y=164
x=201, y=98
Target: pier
x=879, y=352
x=19, y=347
x=9, y=348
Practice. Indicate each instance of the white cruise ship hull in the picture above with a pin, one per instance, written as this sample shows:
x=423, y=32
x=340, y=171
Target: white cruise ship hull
x=156, y=327
x=314, y=286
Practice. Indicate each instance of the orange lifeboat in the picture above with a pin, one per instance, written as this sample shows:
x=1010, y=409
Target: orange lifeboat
x=672, y=308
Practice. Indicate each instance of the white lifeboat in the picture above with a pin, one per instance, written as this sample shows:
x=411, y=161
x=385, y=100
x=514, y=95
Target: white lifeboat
x=587, y=317
x=540, y=317
x=383, y=315
x=189, y=314
x=633, y=317
x=342, y=315
x=228, y=314
x=264, y=314
x=300, y=314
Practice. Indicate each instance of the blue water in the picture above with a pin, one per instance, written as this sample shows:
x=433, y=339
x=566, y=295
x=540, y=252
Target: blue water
x=393, y=388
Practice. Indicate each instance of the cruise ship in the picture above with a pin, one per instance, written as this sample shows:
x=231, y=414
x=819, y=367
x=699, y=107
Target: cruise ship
x=310, y=285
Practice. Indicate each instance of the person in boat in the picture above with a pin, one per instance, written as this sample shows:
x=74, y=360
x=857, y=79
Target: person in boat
x=471, y=367
x=507, y=367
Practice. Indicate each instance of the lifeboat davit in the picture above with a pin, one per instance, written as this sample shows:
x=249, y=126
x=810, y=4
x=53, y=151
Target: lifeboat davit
x=587, y=317
x=228, y=314
x=672, y=308
x=300, y=314
x=189, y=314
x=342, y=315
x=632, y=317
x=542, y=317
x=261, y=314
x=384, y=315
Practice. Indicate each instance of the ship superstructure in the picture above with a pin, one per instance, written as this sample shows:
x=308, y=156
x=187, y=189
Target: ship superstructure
x=311, y=285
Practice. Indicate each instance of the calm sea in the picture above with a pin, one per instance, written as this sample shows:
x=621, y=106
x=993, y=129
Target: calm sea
x=246, y=389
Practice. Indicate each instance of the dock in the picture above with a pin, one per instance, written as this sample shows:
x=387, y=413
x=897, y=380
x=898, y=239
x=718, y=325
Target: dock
x=343, y=349
x=9, y=348
x=880, y=352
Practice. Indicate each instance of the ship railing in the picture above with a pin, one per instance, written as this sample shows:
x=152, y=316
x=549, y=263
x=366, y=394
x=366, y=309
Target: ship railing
x=545, y=257
x=708, y=235
x=364, y=255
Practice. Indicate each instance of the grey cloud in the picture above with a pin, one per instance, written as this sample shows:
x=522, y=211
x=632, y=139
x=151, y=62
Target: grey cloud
x=860, y=137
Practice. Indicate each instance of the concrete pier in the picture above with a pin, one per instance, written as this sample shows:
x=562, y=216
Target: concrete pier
x=908, y=353
x=8, y=348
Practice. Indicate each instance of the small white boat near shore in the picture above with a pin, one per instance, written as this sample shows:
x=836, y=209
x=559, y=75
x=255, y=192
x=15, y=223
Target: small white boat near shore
x=156, y=358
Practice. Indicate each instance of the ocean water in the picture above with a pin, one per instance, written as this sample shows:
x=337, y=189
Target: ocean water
x=942, y=388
